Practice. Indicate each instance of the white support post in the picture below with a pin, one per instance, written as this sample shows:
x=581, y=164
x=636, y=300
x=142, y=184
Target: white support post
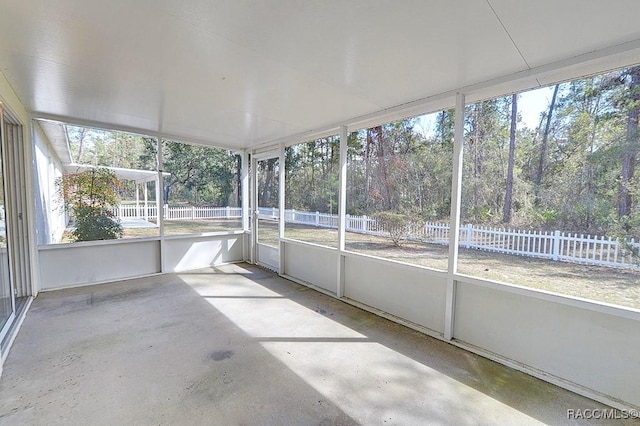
x=137, y=200
x=245, y=191
x=254, y=208
x=160, y=202
x=454, y=225
x=342, y=210
x=281, y=203
x=146, y=201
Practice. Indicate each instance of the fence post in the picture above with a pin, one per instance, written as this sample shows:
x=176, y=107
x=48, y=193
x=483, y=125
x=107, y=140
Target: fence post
x=347, y=221
x=469, y=229
x=556, y=245
x=293, y=215
x=317, y=218
x=365, y=223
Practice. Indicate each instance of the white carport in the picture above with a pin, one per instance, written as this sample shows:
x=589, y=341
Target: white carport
x=141, y=178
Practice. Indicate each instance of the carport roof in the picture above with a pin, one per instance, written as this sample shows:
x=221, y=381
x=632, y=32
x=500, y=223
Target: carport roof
x=139, y=176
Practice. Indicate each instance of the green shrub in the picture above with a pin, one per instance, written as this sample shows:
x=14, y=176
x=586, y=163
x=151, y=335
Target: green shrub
x=94, y=223
x=89, y=196
x=396, y=224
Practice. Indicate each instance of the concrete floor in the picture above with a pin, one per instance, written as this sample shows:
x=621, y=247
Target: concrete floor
x=237, y=345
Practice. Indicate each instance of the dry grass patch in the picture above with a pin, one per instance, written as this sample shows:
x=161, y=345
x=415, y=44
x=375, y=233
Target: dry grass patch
x=610, y=285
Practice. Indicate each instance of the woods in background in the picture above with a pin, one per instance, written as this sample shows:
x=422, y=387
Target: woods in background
x=199, y=175
x=574, y=171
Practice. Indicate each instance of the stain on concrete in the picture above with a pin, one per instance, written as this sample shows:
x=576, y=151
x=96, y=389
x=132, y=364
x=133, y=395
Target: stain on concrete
x=168, y=324
x=66, y=360
x=221, y=355
x=98, y=342
x=118, y=295
x=208, y=387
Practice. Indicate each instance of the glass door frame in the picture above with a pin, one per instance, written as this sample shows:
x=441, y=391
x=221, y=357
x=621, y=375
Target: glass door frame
x=4, y=330
x=261, y=254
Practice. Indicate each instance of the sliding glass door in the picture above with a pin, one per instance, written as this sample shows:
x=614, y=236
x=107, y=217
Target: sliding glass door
x=7, y=302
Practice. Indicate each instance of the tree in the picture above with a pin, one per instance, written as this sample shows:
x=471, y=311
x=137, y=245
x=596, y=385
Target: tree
x=545, y=143
x=312, y=175
x=200, y=175
x=268, y=182
x=508, y=197
x=89, y=196
x=631, y=147
x=484, y=166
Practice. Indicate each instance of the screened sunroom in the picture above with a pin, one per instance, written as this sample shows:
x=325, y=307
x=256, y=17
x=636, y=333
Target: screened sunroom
x=320, y=212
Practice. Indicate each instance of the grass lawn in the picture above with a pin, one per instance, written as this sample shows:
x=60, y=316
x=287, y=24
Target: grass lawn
x=611, y=285
x=178, y=227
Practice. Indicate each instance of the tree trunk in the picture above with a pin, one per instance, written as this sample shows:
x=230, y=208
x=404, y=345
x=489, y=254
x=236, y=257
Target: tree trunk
x=508, y=196
x=477, y=170
x=267, y=192
x=384, y=181
x=83, y=134
x=239, y=181
x=543, y=146
x=367, y=170
x=629, y=155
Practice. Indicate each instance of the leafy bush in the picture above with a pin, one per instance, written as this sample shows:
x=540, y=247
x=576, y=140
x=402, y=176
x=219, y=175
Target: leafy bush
x=93, y=223
x=396, y=224
x=89, y=196
x=623, y=230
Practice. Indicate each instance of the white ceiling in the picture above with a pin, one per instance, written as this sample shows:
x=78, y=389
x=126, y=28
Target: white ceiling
x=241, y=73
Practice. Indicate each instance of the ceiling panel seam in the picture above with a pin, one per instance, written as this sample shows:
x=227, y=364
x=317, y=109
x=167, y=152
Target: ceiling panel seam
x=508, y=34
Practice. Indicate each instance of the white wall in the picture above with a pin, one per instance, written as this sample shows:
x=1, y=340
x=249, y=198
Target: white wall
x=182, y=253
x=13, y=103
x=77, y=264
x=597, y=350
x=311, y=264
x=268, y=256
x=92, y=262
x=409, y=292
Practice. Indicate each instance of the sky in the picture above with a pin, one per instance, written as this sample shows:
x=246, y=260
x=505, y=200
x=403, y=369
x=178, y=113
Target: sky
x=530, y=105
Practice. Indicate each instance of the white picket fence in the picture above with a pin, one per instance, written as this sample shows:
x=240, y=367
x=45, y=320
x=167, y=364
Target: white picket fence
x=557, y=245
x=177, y=213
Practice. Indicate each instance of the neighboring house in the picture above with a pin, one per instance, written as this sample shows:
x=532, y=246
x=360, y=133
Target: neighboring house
x=51, y=219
